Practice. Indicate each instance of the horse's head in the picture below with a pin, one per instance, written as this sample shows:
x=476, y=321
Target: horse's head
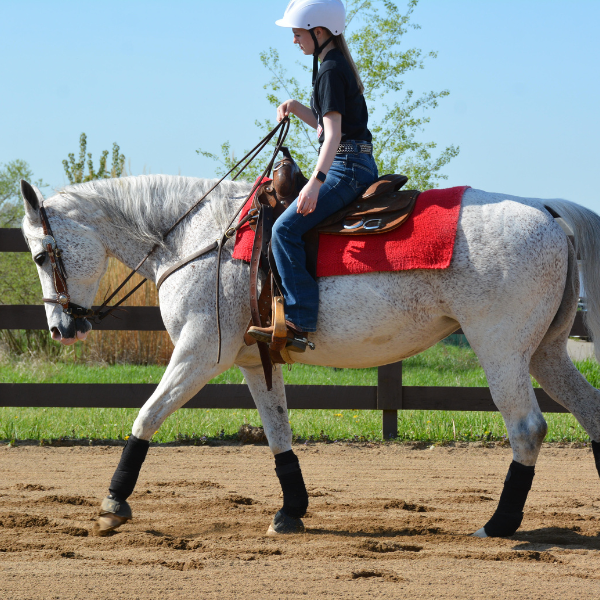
x=70, y=259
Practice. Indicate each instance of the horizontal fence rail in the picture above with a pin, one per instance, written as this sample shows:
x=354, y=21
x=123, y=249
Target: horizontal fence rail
x=12, y=240
x=389, y=396
x=138, y=318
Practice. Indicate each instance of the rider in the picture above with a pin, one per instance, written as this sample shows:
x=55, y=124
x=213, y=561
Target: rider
x=345, y=167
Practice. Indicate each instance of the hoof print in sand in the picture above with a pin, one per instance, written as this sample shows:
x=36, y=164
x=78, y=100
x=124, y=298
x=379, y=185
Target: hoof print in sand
x=367, y=573
x=402, y=505
x=13, y=520
x=382, y=547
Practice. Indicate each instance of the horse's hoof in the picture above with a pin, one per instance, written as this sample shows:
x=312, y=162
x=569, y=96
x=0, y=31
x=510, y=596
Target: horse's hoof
x=107, y=523
x=480, y=533
x=113, y=514
x=282, y=524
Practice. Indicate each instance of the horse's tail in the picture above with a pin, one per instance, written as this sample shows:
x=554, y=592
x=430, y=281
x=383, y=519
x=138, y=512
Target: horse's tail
x=585, y=225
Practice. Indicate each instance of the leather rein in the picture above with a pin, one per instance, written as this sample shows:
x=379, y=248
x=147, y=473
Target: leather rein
x=60, y=274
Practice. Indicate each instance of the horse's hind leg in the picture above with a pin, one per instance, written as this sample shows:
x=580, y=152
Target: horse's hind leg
x=556, y=373
x=273, y=412
x=513, y=394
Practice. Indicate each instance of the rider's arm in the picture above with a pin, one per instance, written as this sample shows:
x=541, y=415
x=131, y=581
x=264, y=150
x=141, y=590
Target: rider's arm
x=302, y=112
x=309, y=194
x=332, y=125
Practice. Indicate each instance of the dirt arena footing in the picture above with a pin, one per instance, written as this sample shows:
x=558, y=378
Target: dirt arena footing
x=385, y=521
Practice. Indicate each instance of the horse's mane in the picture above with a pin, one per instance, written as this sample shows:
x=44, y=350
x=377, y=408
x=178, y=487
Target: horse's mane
x=146, y=205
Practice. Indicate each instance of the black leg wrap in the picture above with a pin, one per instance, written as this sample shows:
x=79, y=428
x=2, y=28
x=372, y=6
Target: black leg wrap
x=295, y=497
x=509, y=514
x=126, y=475
x=596, y=451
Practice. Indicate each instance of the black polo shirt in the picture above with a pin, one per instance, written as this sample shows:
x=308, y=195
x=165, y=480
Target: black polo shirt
x=336, y=89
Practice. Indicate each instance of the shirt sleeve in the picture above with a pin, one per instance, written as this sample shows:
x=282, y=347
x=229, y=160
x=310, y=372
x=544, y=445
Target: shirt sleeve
x=332, y=92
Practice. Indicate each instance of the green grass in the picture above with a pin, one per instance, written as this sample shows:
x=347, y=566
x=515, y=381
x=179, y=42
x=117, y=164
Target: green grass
x=442, y=365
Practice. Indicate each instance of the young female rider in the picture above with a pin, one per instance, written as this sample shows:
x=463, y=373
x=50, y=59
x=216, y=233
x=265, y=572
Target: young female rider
x=345, y=167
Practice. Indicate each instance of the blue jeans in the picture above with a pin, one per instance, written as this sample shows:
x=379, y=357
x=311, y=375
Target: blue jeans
x=350, y=175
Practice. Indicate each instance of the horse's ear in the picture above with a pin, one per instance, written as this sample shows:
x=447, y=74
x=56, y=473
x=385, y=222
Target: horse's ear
x=32, y=198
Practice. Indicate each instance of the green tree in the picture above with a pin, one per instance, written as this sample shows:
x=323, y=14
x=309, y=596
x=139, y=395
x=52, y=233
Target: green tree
x=11, y=205
x=75, y=170
x=374, y=35
x=19, y=283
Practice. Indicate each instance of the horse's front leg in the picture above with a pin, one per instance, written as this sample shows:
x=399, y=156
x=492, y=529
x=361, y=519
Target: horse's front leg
x=272, y=408
x=188, y=371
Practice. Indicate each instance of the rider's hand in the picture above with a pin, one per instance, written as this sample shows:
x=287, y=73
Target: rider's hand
x=284, y=110
x=308, y=196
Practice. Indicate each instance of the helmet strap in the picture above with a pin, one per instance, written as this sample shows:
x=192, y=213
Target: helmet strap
x=318, y=50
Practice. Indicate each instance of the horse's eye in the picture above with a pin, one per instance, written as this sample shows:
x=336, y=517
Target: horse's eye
x=40, y=258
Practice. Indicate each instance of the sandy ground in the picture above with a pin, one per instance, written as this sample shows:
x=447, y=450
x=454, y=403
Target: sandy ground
x=384, y=522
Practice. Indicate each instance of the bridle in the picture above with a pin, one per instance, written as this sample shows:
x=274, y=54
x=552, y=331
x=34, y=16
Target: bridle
x=59, y=273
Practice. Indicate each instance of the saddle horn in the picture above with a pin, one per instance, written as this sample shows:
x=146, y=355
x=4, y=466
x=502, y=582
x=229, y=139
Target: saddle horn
x=286, y=152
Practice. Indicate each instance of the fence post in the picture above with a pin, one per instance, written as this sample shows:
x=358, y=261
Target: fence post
x=389, y=397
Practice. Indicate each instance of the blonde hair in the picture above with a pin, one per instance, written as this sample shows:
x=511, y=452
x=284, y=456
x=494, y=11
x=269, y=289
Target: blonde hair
x=340, y=42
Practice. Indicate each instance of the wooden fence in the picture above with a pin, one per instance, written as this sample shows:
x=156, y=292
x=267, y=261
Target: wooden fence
x=389, y=396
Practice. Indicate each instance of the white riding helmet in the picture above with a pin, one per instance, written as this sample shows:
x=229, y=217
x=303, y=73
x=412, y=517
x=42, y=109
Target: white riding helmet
x=307, y=14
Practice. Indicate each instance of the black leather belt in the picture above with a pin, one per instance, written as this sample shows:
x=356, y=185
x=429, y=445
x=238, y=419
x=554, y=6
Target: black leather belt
x=352, y=147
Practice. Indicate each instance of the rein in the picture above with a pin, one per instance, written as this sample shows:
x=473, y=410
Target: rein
x=60, y=274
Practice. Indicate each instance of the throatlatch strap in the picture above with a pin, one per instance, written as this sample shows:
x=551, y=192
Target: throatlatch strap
x=509, y=514
x=126, y=475
x=295, y=496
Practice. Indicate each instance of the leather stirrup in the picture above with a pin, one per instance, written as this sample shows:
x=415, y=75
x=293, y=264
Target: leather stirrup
x=280, y=337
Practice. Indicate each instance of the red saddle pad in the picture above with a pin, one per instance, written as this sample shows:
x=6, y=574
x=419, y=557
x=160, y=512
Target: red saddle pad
x=424, y=241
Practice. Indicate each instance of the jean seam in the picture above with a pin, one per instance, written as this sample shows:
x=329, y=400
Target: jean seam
x=363, y=168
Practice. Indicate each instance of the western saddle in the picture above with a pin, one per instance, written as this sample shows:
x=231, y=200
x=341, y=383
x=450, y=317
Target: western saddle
x=382, y=208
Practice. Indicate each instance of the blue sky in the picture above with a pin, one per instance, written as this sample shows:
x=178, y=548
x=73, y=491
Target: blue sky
x=165, y=78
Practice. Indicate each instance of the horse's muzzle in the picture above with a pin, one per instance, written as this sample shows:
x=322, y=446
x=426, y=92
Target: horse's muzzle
x=69, y=330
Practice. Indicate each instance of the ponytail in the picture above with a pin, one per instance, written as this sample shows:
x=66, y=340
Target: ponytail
x=340, y=42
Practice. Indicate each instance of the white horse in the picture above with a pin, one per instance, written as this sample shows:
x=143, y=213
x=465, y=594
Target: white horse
x=512, y=286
